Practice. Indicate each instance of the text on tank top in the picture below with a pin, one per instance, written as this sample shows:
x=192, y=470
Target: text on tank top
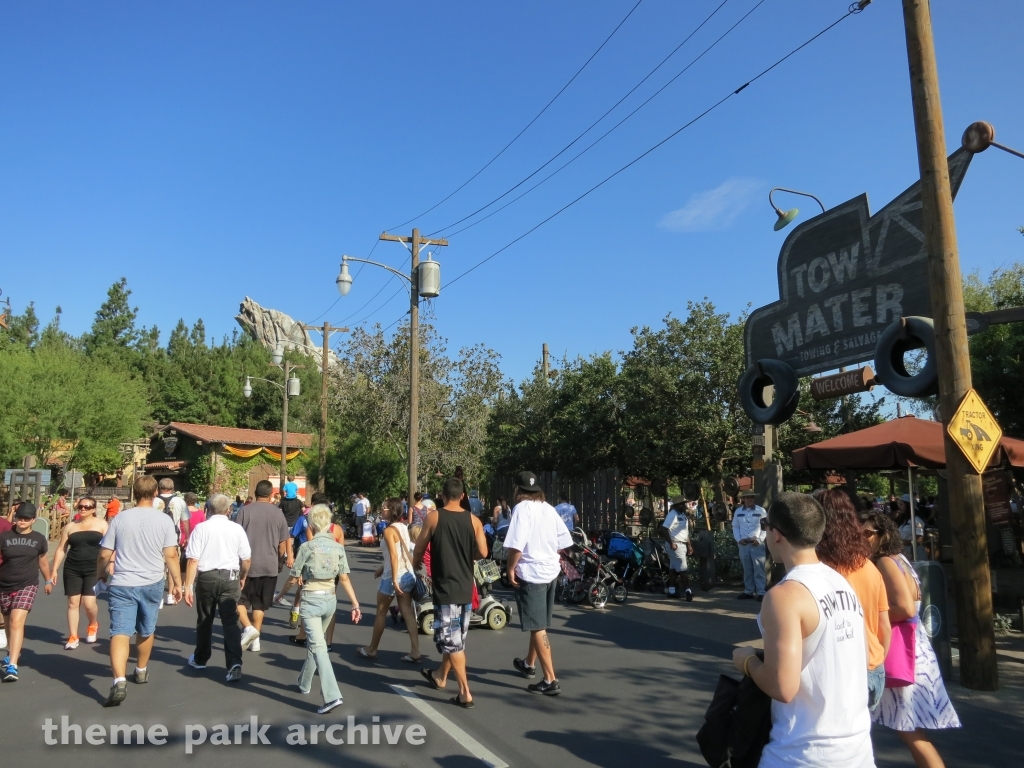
x=827, y=722
x=451, y=558
x=401, y=552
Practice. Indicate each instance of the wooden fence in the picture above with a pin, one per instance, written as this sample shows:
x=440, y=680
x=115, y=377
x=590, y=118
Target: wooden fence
x=596, y=495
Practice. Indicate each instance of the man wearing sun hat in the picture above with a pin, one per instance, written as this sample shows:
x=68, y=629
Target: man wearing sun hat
x=676, y=531
x=746, y=529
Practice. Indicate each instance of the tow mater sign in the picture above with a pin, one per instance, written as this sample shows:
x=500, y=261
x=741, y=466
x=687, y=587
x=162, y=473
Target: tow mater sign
x=844, y=276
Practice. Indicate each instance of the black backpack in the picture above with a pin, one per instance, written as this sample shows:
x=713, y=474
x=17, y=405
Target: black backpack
x=737, y=725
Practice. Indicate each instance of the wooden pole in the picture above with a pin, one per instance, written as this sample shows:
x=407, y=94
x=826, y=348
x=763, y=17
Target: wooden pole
x=326, y=330
x=284, y=430
x=322, y=443
x=972, y=583
x=545, y=365
x=414, y=368
x=414, y=349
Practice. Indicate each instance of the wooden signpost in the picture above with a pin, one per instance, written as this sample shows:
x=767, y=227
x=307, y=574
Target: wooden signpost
x=841, y=384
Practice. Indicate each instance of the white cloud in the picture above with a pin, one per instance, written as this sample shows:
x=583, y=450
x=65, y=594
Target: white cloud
x=714, y=209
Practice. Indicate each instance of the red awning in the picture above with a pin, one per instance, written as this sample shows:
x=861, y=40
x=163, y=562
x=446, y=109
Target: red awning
x=897, y=444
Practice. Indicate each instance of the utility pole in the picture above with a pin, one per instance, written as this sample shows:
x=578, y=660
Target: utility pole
x=544, y=366
x=326, y=330
x=414, y=350
x=287, y=367
x=973, y=587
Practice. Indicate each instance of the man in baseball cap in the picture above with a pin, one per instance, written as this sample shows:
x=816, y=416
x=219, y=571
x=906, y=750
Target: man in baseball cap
x=534, y=538
x=23, y=553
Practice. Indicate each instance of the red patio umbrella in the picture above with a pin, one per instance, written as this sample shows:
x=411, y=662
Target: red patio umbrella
x=902, y=443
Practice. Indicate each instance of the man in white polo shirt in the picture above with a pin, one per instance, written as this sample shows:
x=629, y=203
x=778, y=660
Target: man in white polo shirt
x=534, y=537
x=218, y=561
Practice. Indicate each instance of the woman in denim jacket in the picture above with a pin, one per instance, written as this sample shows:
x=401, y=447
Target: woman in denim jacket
x=320, y=564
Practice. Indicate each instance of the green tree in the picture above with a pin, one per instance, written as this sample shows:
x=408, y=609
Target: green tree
x=24, y=328
x=369, y=397
x=997, y=354
x=114, y=326
x=520, y=434
x=682, y=416
x=61, y=405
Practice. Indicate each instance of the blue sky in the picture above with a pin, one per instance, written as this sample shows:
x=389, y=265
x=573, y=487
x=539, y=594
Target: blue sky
x=209, y=151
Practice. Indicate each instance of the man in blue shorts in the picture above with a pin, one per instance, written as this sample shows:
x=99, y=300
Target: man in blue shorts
x=145, y=542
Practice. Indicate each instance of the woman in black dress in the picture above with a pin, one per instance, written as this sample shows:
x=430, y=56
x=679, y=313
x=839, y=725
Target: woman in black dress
x=78, y=550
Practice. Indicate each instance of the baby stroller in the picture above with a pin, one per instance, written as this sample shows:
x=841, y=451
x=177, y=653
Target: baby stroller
x=499, y=554
x=587, y=577
x=490, y=612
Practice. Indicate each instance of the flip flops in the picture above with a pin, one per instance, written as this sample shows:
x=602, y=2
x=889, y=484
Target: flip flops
x=410, y=660
x=460, y=703
x=428, y=675
x=361, y=650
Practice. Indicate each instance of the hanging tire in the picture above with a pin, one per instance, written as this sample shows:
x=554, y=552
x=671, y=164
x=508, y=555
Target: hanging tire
x=899, y=337
x=787, y=391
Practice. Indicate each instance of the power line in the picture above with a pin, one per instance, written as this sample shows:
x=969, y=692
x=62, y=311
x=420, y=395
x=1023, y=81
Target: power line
x=378, y=309
x=604, y=135
x=378, y=293
x=591, y=126
x=854, y=9
x=536, y=117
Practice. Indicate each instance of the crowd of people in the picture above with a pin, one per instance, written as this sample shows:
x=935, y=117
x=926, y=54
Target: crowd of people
x=224, y=559
x=842, y=648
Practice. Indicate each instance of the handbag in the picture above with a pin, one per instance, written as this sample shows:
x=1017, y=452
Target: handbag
x=421, y=591
x=900, y=662
x=737, y=724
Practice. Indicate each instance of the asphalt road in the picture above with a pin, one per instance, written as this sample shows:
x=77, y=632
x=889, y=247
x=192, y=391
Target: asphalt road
x=636, y=681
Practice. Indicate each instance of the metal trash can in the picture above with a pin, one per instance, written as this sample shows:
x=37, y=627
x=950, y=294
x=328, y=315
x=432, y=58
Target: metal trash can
x=934, y=615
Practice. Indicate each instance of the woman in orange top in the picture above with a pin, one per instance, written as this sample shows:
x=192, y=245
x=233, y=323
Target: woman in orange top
x=845, y=548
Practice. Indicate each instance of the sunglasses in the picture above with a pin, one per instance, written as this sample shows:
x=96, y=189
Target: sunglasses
x=869, y=532
x=84, y=508
x=766, y=526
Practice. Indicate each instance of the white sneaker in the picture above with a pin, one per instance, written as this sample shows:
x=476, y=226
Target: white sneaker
x=71, y=644
x=3, y=638
x=255, y=647
x=171, y=600
x=195, y=664
x=249, y=636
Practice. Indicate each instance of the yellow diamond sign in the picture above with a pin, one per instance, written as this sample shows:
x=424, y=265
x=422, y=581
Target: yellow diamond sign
x=974, y=429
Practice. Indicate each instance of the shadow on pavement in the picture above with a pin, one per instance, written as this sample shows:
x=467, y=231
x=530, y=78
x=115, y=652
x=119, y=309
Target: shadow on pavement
x=608, y=750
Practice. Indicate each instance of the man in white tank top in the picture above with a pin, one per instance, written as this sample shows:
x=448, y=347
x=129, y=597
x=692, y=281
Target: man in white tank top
x=815, y=650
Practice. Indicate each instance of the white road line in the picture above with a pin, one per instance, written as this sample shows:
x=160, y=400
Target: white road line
x=473, y=746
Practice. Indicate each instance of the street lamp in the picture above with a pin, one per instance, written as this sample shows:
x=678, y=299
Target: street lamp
x=980, y=136
x=291, y=388
x=424, y=279
x=787, y=216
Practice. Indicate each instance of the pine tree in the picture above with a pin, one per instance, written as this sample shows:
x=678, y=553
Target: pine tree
x=114, y=326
